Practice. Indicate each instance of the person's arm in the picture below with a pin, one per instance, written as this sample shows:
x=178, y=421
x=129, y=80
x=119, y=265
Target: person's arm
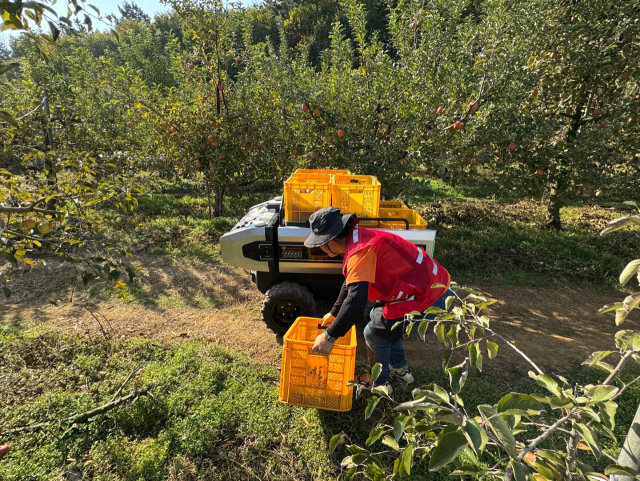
x=351, y=309
x=341, y=298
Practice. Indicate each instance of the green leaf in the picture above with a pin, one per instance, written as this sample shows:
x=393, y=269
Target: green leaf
x=336, y=441
x=621, y=316
x=375, y=434
x=449, y=448
x=376, y=371
x=458, y=376
x=522, y=404
x=602, y=393
x=446, y=358
x=500, y=428
x=392, y=443
x=4, y=68
x=632, y=302
x=520, y=471
x=610, y=307
x=422, y=328
x=448, y=302
x=359, y=459
x=475, y=356
x=630, y=271
x=546, y=382
x=372, y=402
x=438, y=330
x=8, y=118
x=398, y=426
x=397, y=324
x=407, y=458
x=433, y=392
x=607, y=412
x=492, y=349
x=466, y=471
x=617, y=470
x=596, y=357
x=476, y=436
x=437, y=285
x=620, y=223
x=453, y=335
x=589, y=437
x=416, y=405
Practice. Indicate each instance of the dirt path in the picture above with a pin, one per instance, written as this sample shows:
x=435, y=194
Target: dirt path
x=557, y=328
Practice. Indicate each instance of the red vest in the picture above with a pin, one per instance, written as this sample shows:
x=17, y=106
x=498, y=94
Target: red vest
x=404, y=272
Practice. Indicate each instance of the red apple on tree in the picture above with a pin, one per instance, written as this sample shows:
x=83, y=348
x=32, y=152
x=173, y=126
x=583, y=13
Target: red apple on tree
x=213, y=124
x=210, y=139
x=513, y=146
x=475, y=106
x=191, y=66
x=314, y=155
x=625, y=76
x=316, y=112
x=223, y=156
x=539, y=172
x=130, y=125
x=597, y=112
x=295, y=152
x=189, y=79
x=197, y=155
x=534, y=93
x=198, y=165
x=340, y=133
x=214, y=143
x=633, y=119
x=553, y=55
x=325, y=124
x=457, y=125
x=305, y=108
x=568, y=110
x=212, y=37
x=429, y=133
x=603, y=123
x=440, y=110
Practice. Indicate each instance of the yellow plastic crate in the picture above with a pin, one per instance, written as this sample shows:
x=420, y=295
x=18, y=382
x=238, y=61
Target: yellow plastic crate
x=356, y=194
x=305, y=193
x=392, y=204
x=415, y=220
x=317, y=380
x=322, y=171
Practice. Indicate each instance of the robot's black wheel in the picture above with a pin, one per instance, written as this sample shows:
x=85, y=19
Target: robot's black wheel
x=284, y=303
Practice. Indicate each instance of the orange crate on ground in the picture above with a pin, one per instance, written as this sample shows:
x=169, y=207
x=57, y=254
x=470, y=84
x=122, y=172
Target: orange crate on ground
x=356, y=194
x=415, y=220
x=317, y=380
x=305, y=193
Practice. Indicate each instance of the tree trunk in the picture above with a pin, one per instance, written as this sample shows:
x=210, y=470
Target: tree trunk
x=555, y=203
x=218, y=201
x=48, y=142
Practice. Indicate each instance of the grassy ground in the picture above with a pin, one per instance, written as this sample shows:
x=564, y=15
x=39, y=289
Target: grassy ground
x=214, y=414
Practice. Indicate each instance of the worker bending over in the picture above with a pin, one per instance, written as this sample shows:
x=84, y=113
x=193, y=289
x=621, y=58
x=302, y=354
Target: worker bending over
x=382, y=267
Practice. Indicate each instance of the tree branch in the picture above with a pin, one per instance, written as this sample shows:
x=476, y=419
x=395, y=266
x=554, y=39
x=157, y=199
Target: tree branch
x=86, y=416
x=534, y=443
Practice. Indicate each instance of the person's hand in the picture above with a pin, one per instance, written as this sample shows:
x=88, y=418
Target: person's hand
x=4, y=450
x=327, y=319
x=321, y=345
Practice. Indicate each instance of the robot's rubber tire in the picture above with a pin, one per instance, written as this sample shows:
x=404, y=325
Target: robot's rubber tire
x=284, y=303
